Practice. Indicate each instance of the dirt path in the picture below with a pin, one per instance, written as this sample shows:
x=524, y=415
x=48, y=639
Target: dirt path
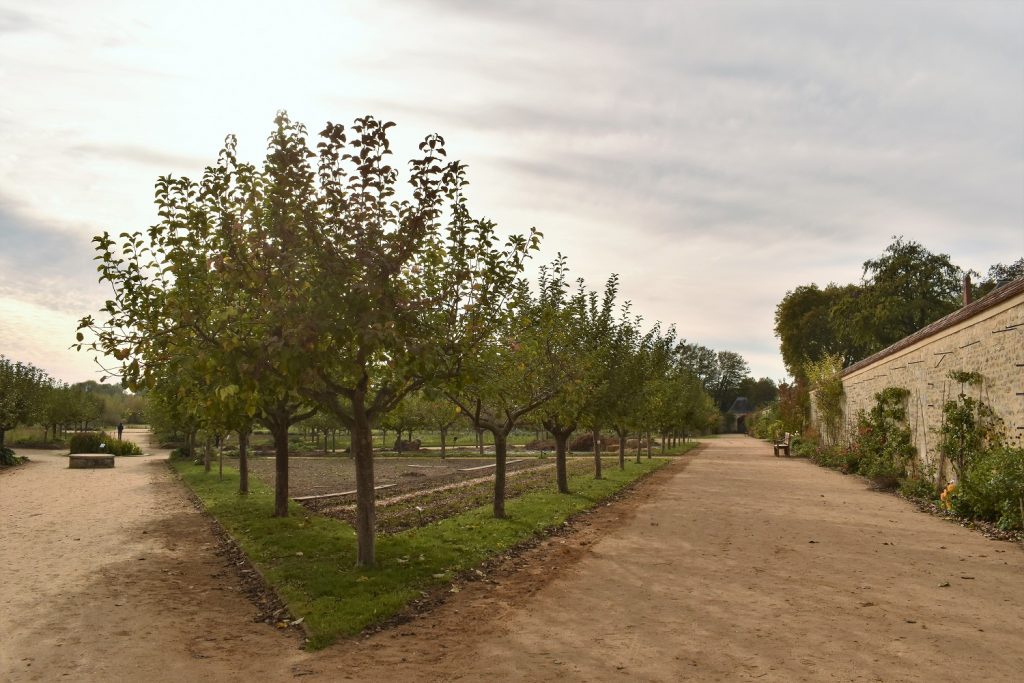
x=730, y=565
x=111, y=575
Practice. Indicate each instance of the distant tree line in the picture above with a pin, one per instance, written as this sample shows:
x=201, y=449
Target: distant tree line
x=30, y=397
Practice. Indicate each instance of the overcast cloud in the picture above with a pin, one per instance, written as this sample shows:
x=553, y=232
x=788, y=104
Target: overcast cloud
x=714, y=154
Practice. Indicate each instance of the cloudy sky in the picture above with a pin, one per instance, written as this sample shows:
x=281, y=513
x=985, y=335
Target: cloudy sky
x=715, y=154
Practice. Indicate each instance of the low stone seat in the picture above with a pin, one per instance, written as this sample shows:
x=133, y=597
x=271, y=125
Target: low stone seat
x=90, y=460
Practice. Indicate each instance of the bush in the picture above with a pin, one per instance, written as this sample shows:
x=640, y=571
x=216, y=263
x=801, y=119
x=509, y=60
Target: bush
x=802, y=447
x=101, y=442
x=86, y=442
x=39, y=443
x=992, y=488
x=8, y=458
x=884, y=439
x=123, y=448
x=917, y=488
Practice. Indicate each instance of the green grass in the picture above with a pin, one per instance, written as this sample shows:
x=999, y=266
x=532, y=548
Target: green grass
x=310, y=560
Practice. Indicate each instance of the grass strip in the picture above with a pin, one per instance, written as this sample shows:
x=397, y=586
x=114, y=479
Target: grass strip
x=310, y=560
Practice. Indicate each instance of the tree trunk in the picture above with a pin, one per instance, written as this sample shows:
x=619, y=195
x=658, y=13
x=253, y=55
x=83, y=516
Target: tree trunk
x=444, y=436
x=243, y=462
x=5, y=458
x=597, y=453
x=622, y=450
x=639, y=438
x=648, y=445
x=664, y=440
x=562, y=475
x=362, y=451
x=280, y=433
x=206, y=455
x=480, y=441
x=500, y=447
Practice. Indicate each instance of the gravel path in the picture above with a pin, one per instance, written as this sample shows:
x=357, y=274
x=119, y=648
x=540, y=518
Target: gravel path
x=111, y=575
x=728, y=565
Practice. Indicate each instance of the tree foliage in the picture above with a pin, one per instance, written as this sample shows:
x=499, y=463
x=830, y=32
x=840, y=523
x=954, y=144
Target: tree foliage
x=23, y=389
x=308, y=282
x=999, y=274
x=904, y=289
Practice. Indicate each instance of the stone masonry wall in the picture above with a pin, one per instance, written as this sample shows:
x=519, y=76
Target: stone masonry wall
x=990, y=342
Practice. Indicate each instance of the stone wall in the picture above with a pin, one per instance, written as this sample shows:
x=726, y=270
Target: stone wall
x=986, y=336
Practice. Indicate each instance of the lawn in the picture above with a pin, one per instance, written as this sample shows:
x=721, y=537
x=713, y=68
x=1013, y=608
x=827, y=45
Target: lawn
x=309, y=559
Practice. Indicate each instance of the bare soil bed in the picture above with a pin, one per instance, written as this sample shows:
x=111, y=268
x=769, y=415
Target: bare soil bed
x=416, y=508
x=319, y=475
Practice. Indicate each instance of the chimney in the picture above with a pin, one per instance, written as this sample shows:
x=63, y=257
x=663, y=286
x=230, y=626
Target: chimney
x=967, y=290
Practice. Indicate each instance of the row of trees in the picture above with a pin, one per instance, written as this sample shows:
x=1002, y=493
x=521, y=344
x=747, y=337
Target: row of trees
x=313, y=285
x=28, y=396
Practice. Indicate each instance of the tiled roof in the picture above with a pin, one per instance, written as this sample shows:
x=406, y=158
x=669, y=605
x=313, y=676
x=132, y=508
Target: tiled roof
x=996, y=296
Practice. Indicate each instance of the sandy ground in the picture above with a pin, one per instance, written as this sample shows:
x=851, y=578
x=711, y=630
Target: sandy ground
x=729, y=565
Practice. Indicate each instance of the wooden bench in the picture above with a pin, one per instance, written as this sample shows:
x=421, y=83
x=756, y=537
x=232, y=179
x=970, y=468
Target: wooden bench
x=783, y=445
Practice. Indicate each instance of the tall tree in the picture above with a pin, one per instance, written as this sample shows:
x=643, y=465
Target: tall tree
x=758, y=391
x=510, y=375
x=573, y=359
x=904, y=289
x=599, y=333
x=806, y=326
x=702, y=363
x=732, y=370
x=624, y=385
x=999, y=274
x=326, y=288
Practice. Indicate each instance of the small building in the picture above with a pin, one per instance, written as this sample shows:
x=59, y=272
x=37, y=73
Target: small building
x=984, y=336
x=736, y=416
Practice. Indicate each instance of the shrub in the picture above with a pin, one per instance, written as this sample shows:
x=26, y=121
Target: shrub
x=39, y=443
x=802, y=447
x=8, y=458
x=969, y=426
x=123, y=447
x=884, y=443
x=101, y=442
x=992, y=488
x=825, y=376
x=917, y=488
x=86, y=442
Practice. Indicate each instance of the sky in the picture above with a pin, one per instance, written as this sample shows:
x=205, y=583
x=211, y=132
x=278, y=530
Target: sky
x=713, y=154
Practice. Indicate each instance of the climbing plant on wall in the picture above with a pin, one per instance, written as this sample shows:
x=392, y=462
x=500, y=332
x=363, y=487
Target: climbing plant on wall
x=886, y=450
x=825, y=377
x=969, y=426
